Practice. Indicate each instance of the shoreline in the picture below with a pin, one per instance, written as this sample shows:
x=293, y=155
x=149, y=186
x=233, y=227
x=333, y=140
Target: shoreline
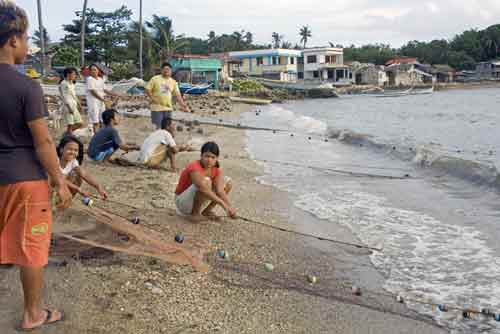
x=141, y=295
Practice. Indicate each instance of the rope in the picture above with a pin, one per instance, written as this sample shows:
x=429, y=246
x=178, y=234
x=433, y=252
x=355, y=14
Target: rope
x=340, y=171
x=321, y=238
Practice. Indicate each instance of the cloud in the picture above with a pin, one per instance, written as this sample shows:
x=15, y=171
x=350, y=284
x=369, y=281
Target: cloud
x=341, y=21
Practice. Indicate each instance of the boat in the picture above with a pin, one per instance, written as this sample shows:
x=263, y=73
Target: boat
x=250, y=100
x=187, y=88
x=410, y=91
x=323, y=89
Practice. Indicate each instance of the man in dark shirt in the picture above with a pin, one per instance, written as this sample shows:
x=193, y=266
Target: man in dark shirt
x=107, y=140
x=27, y=155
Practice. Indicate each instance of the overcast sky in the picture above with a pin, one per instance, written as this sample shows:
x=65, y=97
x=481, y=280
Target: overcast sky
x=339, y=21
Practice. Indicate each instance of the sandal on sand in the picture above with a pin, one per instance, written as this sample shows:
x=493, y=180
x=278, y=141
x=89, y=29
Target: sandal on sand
x=46, y=322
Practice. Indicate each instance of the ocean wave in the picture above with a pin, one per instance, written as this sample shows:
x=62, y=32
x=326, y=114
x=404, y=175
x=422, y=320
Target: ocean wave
x=431, y=156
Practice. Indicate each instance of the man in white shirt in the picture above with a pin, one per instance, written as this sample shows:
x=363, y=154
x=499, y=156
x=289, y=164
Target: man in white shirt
x=96, y=97
x=161, y=145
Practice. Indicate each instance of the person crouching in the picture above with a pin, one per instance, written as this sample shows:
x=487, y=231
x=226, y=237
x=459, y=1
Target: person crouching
x=107, y=140
x=202, y=182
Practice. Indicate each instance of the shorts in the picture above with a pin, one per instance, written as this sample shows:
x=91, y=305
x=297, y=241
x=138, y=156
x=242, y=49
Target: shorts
x=73, y=118
x=185, y=201
x=103, y=155
x=25, y=223
x=158, y=116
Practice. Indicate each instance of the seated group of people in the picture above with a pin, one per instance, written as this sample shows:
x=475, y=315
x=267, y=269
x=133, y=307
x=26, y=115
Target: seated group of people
x=200, y=183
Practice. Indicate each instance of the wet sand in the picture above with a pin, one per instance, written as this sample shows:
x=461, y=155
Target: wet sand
x=117, y=293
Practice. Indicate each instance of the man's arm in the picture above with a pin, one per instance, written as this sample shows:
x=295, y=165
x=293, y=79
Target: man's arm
x=181, y=101
x=95, y=94
x=46, y=152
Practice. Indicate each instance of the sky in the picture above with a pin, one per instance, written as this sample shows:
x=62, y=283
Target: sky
x=343, y=22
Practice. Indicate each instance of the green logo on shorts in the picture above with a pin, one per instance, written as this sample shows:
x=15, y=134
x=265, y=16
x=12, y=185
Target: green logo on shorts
x=40, y=229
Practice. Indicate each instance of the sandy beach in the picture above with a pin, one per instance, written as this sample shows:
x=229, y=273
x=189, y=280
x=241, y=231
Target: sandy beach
x=105, y=292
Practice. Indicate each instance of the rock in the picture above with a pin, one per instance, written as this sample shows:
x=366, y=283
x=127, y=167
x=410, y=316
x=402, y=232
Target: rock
x=312, y=279
x=180, y=128
x=196, y=123
x=199, y=131
x=157, y=291
x=268, y=267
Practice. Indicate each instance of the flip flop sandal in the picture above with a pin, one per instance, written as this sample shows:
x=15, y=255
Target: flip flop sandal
x=45, y=323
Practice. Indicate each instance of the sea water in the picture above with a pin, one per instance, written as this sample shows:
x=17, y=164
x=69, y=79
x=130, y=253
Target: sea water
x=439, y=228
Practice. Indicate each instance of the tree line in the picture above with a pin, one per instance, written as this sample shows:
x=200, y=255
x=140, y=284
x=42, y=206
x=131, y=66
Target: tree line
x=112, y=38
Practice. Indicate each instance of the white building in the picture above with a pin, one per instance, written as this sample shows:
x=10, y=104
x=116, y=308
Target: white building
x=325, y=64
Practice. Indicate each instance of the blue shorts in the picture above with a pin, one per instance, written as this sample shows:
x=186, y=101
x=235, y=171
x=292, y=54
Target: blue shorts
x=103, y=155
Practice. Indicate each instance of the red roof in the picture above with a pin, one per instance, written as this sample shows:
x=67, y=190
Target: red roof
x=402, y=60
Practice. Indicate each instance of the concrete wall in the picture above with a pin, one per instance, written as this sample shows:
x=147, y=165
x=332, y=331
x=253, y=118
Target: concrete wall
x=320, y=58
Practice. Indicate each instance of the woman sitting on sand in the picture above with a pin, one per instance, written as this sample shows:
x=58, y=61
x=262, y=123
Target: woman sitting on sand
x=200, y=182
x=70, y=152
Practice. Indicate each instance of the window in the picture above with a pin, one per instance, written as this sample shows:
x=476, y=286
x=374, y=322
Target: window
x=292, y=60
x=282, y=60
x=300, y=75
x=315, y=73
x=311, y=59
x=275, y=60
x=330, y=59
x=260, y=61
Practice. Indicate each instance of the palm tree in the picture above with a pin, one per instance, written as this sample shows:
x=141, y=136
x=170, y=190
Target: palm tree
x=82, y=34
x=305, y=33
x=249, y=38
x=276, y=39
x=164, y=39
x=42, y=40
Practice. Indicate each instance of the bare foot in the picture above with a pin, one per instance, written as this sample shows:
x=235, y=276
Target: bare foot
x=211, y=215
x=196, y=218
x=46, y=317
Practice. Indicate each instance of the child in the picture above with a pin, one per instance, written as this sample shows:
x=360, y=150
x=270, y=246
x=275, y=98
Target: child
x=107, y=140
x=71, y=105
x=70, y=152
x=161, y=144
x=200, y=182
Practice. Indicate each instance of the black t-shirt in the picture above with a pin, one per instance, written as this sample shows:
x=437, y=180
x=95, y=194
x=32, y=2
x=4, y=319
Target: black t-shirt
x=21, y=101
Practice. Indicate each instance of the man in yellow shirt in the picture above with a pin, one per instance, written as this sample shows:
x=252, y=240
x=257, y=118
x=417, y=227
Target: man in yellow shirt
x=160, y=90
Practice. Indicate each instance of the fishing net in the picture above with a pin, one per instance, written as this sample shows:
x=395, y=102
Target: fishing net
x=97, y=228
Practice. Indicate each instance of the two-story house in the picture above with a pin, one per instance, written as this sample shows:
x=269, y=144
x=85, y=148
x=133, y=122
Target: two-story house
x=326, y=64
x=277, y=64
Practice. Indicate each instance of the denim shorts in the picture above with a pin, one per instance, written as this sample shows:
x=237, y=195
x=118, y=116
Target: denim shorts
x=103, y=155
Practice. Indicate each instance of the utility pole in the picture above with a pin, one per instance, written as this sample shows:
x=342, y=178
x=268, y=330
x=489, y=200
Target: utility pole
x=42, y=36
x=82, y=34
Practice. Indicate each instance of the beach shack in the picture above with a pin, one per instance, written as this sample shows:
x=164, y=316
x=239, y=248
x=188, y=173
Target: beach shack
x=488, y=70
x=276, y=64
x=196, y=69
x=370, y=74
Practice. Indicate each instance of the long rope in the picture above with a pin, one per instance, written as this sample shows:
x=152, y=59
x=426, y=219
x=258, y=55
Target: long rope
x=339, y=171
